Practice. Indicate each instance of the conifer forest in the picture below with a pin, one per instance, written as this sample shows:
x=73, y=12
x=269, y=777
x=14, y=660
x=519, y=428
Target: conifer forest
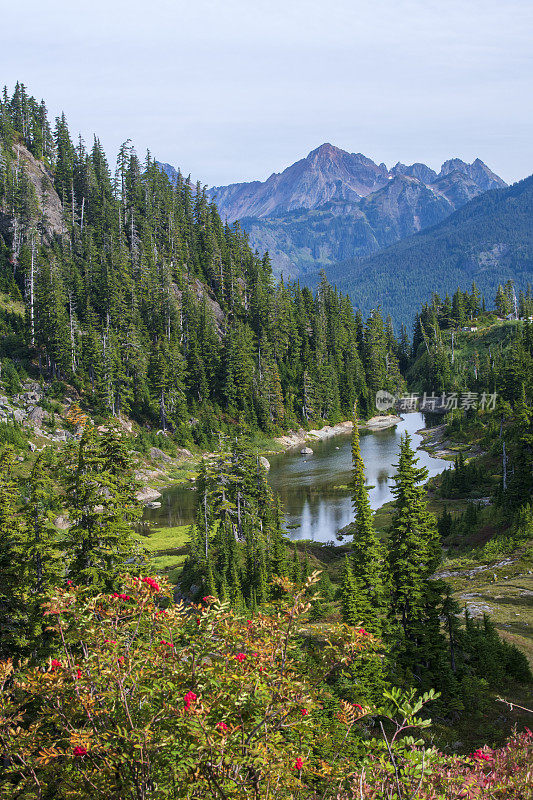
x=145, y=345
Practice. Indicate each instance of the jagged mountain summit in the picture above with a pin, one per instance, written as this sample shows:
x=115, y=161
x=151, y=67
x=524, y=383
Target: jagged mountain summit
x=333, y=205
x=329, y=174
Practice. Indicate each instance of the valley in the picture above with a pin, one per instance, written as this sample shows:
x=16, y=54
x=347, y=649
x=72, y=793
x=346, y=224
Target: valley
x=223, y=568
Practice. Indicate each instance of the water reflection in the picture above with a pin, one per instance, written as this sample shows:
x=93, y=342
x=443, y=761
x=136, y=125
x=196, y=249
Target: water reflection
x=313, y=488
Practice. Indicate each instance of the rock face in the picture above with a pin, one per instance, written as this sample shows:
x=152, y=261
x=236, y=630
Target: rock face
x=159, y=455
x=327, y=174
x=334, y=205
x=264, y=462
x=49, y=212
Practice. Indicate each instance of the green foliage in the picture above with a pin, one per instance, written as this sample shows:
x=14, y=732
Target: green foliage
x=13, y=434
x=459, y=480
x=367, y=553
x=403, y=276
x=145, y=699
x=102, y=505
x=237, y=544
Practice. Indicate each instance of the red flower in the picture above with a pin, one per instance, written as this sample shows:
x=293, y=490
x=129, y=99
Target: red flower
x=120, y=659
x=304, y=712
x=109, y=641
x=222, y=726
x=79, y=751
x=299, y=765
x=55, y=664
x=249, y=623
x=208, y=599
x=356, y=705
x=78, y=673
x=151, y=583
x=69, y=583
x=481, y=755
x=362, y=632
x=189, y=698
x=240, y=657
x=255, y=655
x=197, y=620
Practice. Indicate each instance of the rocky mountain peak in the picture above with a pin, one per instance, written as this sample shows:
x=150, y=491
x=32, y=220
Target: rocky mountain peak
x=419, y=171
x=478, y=172
x=329, y=174
x=324, y=151
x=333, y=204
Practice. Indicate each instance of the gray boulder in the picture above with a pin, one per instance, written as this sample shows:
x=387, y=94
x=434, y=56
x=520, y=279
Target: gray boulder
x=36, y=416
x=158, y=455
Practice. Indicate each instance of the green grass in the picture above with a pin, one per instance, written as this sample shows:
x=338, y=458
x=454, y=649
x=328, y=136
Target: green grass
x=167, y=547
x=506, y=592
x=265, y=444
x=165, y=538
x=181, y=473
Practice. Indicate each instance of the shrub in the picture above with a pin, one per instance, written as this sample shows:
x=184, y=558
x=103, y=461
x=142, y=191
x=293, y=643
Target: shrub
x=503, y=774
x=147, y=701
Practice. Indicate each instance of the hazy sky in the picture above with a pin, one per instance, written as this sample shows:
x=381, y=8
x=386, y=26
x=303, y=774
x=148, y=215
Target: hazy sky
x=235, y=90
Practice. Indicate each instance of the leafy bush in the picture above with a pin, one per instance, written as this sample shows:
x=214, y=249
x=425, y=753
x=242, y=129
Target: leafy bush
x=503, y=774
x=143, y=701
x=148, y=700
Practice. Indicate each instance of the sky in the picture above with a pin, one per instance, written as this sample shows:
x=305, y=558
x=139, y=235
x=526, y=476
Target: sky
x=235, y=90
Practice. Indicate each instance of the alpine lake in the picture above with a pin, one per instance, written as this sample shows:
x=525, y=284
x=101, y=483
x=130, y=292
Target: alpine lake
x=314, y=488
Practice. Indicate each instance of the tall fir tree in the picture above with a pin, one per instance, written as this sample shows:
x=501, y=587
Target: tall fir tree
x=367, y=558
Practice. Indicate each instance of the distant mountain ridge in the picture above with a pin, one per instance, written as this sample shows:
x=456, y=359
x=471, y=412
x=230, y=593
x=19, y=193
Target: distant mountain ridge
x=330, y=174
x=489, y=240
x=333, y=205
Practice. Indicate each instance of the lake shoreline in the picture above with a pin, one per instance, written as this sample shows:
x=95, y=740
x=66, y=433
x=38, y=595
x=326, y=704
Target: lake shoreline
x=302, y=437
x=292, y=439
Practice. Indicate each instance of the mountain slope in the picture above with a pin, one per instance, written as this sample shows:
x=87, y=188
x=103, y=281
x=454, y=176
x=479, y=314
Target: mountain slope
x=129, y=292
x=489, y=241
x=334, y=205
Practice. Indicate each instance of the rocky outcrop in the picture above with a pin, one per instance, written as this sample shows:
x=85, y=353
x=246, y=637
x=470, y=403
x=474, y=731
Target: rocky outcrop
x=382, y=421
x=147, y=494
x=50, y=208
x=159, y=455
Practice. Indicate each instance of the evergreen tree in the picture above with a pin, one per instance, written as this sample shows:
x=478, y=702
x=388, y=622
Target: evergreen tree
x=350, y=605
x=367, y=560
x=102, y=506
x=414, y=553
x=13, y=608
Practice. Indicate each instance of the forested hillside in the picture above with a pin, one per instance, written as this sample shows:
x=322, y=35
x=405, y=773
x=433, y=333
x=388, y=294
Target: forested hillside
x=262, y=668
x=489, y=241
x=139, y=297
